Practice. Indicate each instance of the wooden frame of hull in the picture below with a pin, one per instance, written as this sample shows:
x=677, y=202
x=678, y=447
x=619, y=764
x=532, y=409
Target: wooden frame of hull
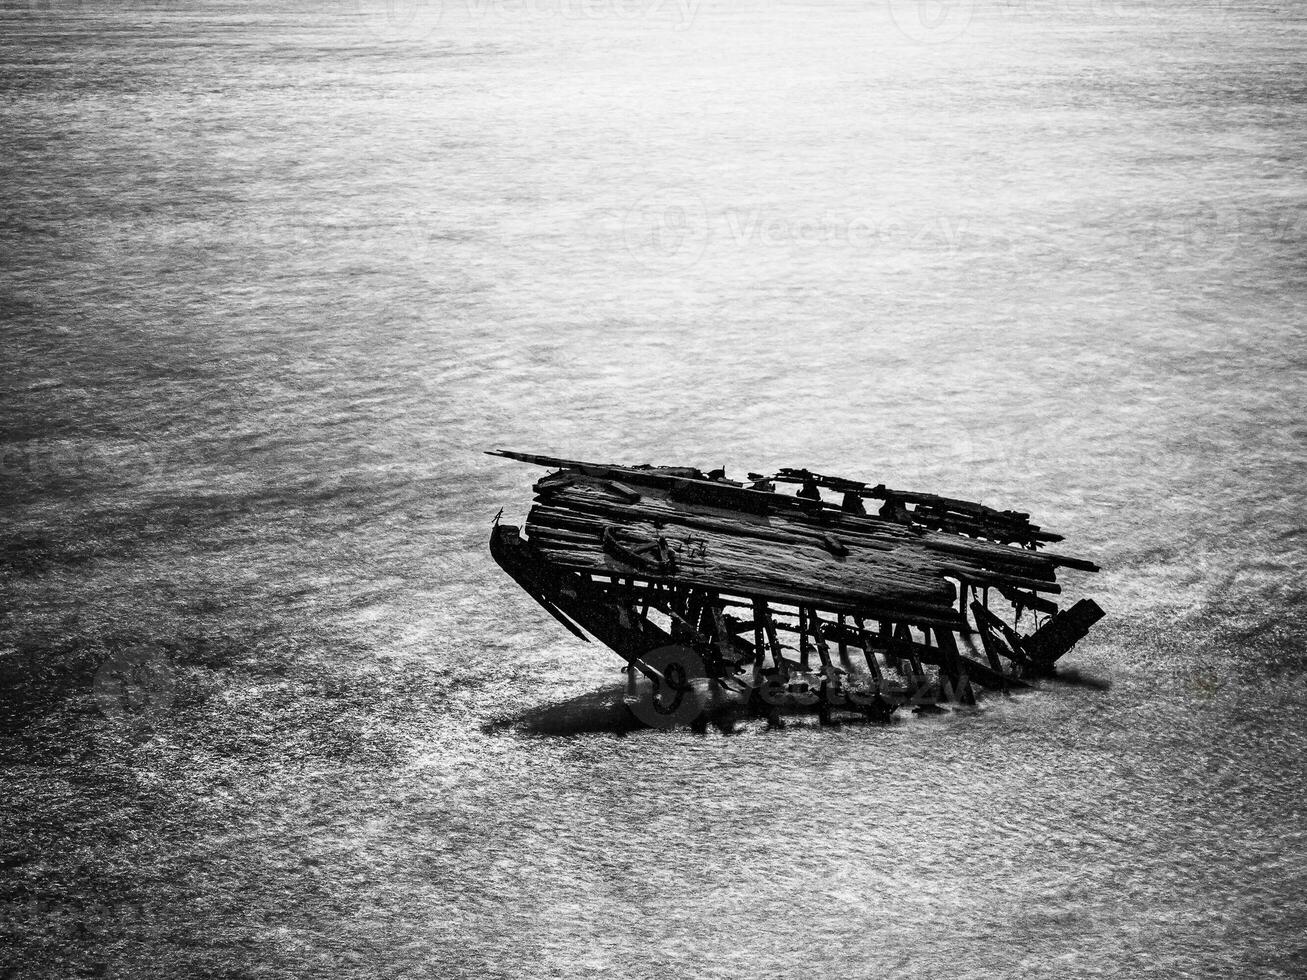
x=836, y=658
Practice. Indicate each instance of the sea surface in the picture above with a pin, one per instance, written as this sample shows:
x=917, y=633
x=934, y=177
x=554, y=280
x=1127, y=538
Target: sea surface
x=274, y=276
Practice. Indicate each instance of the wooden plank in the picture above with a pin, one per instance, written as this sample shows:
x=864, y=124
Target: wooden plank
x=823, y=648
x=954, y=666
x=868, y=650
x=769, y=627
x=834, y=545
x=1059, y=634
x=918, y=568
x=805, y=644
x=1028, y=600
x=731, y=567
x=988, y=622
x=728, y=645
x=622, y=490
x=992, y=649
x=904, y=647
x=887, y=644
x=983, y=577
x=792, y=508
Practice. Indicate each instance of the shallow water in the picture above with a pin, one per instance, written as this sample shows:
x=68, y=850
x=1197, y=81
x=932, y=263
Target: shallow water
x=275, y=275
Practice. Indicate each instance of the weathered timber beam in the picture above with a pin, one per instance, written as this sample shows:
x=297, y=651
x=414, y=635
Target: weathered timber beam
x=981, y=529
x=917, y=654
x=904, y=647
x=993, y=578
x=899, y=568
x=758, y=645
x=987, y=551
x=880, y=491
x=652, y=510
x=1062, y=632
x=868, y=651
x=1028, y=599
x=659, y=475
x=823, y=648
x=866, y=574
x=1079, y=564
x=769, y=626
x=994, y=648
x=667, y=606
x=954, y=664
x=796, y=510
x=655, y=507
x=991, y=557
x=805, y=645
x=729, y=646
x=735, y=584
x=988, y=622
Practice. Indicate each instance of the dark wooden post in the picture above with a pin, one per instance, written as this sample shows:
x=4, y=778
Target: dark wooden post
x=725, y=641
x=873, y=666
x=903, y=638
x=887, y=644
x=769, y=625
x=805, y=645
x=823, y=648
x=843, y=641
x=952, y=667
x=991, y=647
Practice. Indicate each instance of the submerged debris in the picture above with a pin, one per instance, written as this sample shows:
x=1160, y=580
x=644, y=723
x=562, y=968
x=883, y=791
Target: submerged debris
x=693, y=580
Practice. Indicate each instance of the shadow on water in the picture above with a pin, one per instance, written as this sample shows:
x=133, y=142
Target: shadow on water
x=603, y=711
x=1073, y=677
x=594, y=712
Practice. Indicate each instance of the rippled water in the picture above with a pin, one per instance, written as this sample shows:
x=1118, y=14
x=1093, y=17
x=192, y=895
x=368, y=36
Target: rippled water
x=274, y=275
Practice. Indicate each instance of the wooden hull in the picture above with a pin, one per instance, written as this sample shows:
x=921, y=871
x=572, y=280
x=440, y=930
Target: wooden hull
x=786, y=603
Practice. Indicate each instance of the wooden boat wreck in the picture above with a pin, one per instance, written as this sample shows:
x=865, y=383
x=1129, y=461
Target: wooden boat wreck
x=838, y=595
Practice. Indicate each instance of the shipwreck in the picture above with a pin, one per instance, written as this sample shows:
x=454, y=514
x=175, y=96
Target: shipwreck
x=795, y=589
